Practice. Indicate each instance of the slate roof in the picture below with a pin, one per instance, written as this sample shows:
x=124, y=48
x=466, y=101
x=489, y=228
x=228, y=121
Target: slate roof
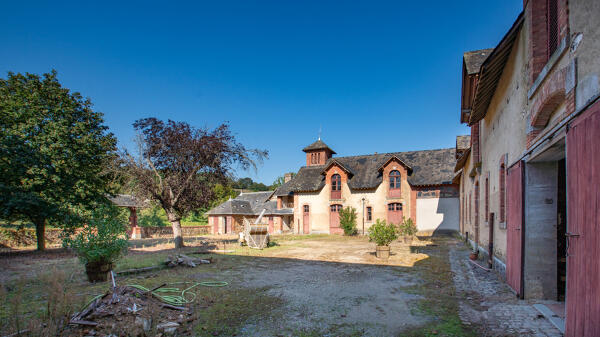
x=474, y=59
x=430, y=167
x=247, y=204
x=318, y=145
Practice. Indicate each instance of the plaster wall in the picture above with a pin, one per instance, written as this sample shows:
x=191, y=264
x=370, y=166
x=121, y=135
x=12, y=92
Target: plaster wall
x=583, y=19
x=437, y=214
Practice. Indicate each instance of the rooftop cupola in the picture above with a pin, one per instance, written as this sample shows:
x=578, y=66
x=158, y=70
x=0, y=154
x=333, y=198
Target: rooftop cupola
x=317, y=153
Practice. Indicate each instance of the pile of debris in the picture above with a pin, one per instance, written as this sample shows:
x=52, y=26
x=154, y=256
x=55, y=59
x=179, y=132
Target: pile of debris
x=129, y=309
x=184, y=260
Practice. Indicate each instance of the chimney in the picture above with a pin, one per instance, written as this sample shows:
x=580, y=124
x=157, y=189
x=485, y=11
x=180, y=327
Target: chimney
x=287, y=177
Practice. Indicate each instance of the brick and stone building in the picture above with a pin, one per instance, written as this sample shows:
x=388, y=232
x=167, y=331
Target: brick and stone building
x=528, y=181
x=388, y=186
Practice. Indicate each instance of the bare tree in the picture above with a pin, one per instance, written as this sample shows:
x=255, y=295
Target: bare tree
x=179, y=165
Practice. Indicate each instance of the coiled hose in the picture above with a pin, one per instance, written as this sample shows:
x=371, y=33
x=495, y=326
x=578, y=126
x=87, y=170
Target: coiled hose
x=176, y=296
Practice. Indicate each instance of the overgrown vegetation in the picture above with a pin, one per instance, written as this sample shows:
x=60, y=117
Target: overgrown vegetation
x=408, y=227
x=383, y=233
x=348, y=220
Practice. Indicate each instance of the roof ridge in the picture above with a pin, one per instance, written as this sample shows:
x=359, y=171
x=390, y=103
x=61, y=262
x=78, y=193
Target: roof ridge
x=391, y=153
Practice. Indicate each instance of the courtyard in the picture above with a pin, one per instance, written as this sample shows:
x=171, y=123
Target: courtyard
x=312, y=285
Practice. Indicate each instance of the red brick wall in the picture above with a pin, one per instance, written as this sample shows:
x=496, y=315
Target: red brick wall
x=317, y=157
x=475, y=142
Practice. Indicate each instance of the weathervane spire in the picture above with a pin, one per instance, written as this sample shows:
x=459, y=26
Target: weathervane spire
x=320, y=132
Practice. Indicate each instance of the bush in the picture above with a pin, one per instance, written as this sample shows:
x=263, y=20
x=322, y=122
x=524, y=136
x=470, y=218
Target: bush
x=348, y=220
x=102, y=240
x=408, y=227
x=383, y=233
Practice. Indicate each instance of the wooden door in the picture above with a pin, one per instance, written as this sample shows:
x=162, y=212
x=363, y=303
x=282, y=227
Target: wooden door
x=306, y=219
x=583, y=225
x=334, y=220
x=514, y=226
x=271, y=224
x=394, y=214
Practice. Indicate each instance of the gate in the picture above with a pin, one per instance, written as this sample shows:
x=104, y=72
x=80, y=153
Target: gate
x=583, y=225
x=514, y=226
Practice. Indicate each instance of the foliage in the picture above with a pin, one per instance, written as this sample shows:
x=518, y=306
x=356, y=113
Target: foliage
x=249, y=184
x=103, y=239
x=383, y=233
x=348, y=220
x=280, y=181
x=408, y=227
x=179, y=165
x=153, y=216
x=54, y=152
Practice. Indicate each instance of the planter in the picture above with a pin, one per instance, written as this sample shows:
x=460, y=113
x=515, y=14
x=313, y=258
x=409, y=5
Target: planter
x=474, y=255
x=408, y=239
x=383, y=252
x=98, y=271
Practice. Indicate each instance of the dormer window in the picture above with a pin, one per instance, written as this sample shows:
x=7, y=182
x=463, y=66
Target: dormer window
x=395, y=181
x=336, y=186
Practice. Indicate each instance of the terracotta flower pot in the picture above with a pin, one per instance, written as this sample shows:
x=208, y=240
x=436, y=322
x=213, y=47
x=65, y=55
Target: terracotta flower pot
x=474, y=255
x=383, y=252
x=98, y=271
x=408, y=239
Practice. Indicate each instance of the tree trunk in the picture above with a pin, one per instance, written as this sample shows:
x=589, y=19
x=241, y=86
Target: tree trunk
x=177, y=232
x=40, y=231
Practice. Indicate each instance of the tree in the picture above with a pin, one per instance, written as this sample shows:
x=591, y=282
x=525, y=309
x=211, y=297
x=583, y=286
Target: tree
x=348, y=220
x=179, y=165
x=280, y=181
x=54, y=151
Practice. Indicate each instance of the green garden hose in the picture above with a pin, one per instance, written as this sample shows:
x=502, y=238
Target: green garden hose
x=167, y=295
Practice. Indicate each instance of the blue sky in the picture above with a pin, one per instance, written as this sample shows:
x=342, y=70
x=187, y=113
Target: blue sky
x=376, y=76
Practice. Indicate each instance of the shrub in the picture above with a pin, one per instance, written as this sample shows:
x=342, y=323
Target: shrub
x=383, y=233
x=408, y=227
x=348, y=220
x=102, y=240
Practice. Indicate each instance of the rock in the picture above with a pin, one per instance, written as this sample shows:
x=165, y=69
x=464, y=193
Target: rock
x=168, y=328
x=144, y=323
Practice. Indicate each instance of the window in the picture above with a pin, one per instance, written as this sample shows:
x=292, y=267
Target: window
x=369, y=214
x=502, y=194
x=476, y=204
x=335, y=208
x=319, y=158
x=552, y=25
x=395, y=179
x=336, y=186
x=395, y=206
x=306, y=209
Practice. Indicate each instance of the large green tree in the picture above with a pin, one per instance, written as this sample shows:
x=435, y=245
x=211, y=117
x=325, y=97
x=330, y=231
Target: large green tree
x=54, y=151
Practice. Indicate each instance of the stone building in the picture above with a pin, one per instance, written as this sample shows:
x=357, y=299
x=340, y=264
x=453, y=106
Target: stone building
x=389, y=186
x=528, y=181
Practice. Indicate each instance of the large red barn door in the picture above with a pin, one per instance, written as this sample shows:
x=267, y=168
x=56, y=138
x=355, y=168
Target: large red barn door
x=514, y=228
x=583, y=225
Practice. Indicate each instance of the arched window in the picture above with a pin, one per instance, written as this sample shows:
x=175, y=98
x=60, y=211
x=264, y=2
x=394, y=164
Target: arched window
x=336, y=186
x=395, y=179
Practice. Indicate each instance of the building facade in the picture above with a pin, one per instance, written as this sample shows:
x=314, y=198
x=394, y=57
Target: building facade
x=525, y=182
x=391, y=186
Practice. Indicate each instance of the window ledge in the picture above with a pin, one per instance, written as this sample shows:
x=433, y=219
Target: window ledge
x=552, y=61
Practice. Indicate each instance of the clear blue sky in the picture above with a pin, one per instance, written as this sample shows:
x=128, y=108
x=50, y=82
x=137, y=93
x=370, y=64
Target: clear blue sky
x=377, y=76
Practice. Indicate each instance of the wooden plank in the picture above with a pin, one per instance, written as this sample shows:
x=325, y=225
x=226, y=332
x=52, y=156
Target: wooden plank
x=514, y=223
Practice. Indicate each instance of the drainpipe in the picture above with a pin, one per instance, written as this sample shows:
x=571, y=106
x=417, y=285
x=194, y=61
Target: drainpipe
x=363, y=216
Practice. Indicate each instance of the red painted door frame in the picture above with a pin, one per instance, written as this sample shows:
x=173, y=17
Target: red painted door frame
x=334, y=219
x=583, y=225
x=305, y=219
x=394, y=216
x=514, y=227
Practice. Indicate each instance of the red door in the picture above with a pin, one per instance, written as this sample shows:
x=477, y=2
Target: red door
x=514, y=224
x=306, y=219
x=334, y=220
x=583, y=225
x=394, y=214
x=271, y=224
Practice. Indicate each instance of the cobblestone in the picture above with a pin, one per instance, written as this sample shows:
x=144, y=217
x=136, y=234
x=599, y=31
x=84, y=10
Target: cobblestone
x=490, y=305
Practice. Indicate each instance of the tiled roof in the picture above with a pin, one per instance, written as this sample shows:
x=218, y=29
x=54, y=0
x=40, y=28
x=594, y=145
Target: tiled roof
x=474, y=59
x=318, y=145
x=430, y=167
x=247, y=204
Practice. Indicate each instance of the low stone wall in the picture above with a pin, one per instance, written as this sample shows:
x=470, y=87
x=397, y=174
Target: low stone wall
x=167, y=231
x=13, y=237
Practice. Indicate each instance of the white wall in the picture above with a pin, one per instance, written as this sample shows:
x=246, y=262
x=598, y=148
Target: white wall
x=437, y=213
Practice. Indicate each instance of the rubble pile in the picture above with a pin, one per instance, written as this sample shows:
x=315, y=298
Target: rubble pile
x=184, y=260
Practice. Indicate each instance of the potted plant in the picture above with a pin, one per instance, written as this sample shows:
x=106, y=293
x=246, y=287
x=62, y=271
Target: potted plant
x=383, y=234
x=100, y=243
x=408, y=229
x=474, y=255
